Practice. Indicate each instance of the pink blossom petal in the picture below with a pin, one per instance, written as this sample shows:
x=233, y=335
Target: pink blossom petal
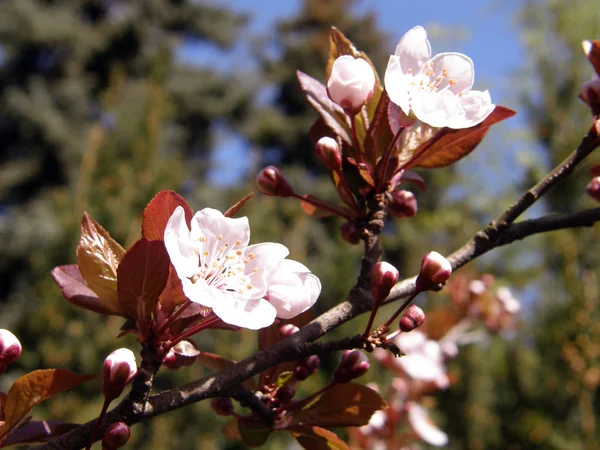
x=180, y=247
x=421, y=423
x=293, y=289
x=254, y=314
x=452, y=71
x=414, y=50
x=397, y=84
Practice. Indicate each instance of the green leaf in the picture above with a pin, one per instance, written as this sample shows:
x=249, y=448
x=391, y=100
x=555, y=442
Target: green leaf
x=343, y=405
x=33, y=388
x=284, y=378
x=317, y=438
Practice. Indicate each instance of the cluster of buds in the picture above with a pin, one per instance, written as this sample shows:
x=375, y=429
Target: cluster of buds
x=354, y=364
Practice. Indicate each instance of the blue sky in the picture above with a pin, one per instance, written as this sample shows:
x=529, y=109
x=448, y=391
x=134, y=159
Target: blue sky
x=484, y=30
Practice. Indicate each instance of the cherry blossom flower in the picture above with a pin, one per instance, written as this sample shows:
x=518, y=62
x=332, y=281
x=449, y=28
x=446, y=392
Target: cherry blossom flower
x=351, y=82
x=218, y=269
x=435, y=90
x=423, y=358
x=421, y=423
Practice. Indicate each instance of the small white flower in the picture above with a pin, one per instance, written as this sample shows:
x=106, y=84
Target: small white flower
x=218, y=269
x=421, y=423
x=351, y=82
x=423, y=358
x=436, y=90
x=509, y=302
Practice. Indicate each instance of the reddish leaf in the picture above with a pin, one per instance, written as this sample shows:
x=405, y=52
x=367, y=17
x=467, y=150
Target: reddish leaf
x=142, y=276
x=317, y=438
x=172, y=295
x=379, y=134
x=594, y=55
x=218, y=363
x=34, y=388
x=232, y=211
x=253, y=434
x=344, y=405
x=232, y=431
x=76, y=291
x=331, y=113
x=38, y=432
x=342, y=192
x=448, y=145
x=98, y=257
x=158, y=212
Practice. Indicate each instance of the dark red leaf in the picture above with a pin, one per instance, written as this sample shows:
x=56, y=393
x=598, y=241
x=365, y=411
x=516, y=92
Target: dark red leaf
x=141, y=277
x=158, y=212
x=317, y=438
x=344, y=405
x=448, y=145
x=313, y=209
x=75, y=289
x=42, y=431
x=253, y=433
x=232, y=211
x=172, y=295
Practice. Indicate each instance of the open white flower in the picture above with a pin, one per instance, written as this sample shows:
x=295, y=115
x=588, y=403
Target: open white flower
x=435, y=90
x=421, y=423
x=423, y=358
x=218, y=269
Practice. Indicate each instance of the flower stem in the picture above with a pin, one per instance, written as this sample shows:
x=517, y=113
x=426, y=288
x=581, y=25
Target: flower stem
x=193, y=330
x=359, y=158
x=174, y=316
x=402, y=308
x=98, y=422
x=314, y=201
x=387, y=155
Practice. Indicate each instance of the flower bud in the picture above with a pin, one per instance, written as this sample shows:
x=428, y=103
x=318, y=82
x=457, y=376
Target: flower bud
x=412, y=318
x=10, y=349
x=182, y=354
x=223, y=406
x=354, y=364
x=115, y=436
x=593, y=188
x=271, y=181
x=307, y=367
x=351, y=83
x=328, y=152
x=287, y=330
x=435, y=269
x=350, y=233
x=383, y=278
x=285, y=394
x=403, y=204
x=590, y=93
x=119, y=370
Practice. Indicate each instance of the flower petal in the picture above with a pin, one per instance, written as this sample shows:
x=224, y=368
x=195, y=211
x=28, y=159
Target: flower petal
x=397, y=84
x=293, y=289
x=420, y=422
x=414, y=50
x=452, y=71
x=253, y=314
x=182, y=250
x=218, y=229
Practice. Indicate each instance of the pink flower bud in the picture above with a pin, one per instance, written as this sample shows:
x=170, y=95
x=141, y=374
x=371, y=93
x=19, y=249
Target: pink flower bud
x=119, y=370
x=590, y=93
x=593, y=188
x=383, y=278
x=435, y=269
x=307, y=367
x=115, y=436
x=403, y=204
x=10, y=349
x=412, y=318
x=354, y=364
x=223, y=406
x=350, y=233
x=271, y=181
x=182, y=354
x=351, y=83
x=288, y=330
x=328, y=152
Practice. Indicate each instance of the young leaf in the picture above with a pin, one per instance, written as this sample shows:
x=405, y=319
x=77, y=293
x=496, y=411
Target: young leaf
x=76, y=291
x=448, y=145
x=98, y=257
x=331, y=113
x=232, y=211
x=142, y=276
x=38, y=431
x=317, y=438
x=34, y=388
x=172, y=295
x=316, y=211
x=343, y=405
x=253, y=434
x=158, y=212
